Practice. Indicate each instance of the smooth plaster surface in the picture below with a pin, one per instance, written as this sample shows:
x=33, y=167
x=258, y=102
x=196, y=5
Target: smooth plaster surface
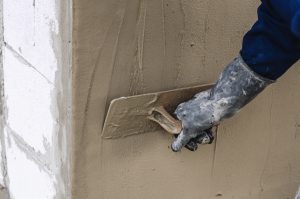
x=127, y=47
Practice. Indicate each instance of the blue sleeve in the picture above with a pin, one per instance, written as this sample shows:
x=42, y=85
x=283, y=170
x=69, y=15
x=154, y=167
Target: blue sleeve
x=272, y=45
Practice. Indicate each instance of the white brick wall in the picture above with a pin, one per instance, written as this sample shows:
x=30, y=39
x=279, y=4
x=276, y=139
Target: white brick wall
x=27, y=177
x=33, y=60
x=28, y=101
x=29, y=28
x=1, y=168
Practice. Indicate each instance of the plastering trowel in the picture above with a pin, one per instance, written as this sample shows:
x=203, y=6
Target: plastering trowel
x=147, y=112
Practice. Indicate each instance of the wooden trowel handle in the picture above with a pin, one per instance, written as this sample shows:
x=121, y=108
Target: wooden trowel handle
x=165, y=120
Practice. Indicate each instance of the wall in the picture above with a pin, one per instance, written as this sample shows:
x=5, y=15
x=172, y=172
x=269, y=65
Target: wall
x=36, y=101
x=3, y=188
x=127, y=47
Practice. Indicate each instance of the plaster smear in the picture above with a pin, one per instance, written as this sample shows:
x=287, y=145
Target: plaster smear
x=128, y=47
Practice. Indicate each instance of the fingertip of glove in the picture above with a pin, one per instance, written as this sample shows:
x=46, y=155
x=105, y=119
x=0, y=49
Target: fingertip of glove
x=175, y=148
x=192, y=145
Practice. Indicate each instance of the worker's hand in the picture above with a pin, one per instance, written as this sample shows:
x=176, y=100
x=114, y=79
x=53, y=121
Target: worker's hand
x=197, y=116
x=206, y=137
x=237, y=85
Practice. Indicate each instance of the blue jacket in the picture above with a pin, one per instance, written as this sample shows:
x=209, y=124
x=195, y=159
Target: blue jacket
x=273, y=44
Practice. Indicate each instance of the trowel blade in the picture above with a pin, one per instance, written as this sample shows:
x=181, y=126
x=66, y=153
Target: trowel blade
x=128, y=115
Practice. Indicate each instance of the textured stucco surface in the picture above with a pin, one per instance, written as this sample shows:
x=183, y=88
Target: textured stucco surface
x=127, y=47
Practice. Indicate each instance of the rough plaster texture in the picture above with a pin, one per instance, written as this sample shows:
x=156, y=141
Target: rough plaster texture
x=37, y=98
x=127, y=47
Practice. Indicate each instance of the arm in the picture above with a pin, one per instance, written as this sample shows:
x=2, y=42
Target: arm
x=269, y=49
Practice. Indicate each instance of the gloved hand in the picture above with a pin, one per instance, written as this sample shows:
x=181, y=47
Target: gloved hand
x=237, y=86
x=206, y=137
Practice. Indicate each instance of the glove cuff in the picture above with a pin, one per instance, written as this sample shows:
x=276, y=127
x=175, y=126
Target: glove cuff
x=236, y=87
x=255, y=75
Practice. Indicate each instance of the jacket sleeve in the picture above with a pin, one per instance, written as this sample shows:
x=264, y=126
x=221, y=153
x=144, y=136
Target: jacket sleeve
x=272, y=45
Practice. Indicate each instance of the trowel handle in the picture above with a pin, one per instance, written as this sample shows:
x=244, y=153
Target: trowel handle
x=165, y=120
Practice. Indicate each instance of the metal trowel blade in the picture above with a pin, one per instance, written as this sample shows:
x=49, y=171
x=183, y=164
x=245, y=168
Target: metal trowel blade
x=129, y=115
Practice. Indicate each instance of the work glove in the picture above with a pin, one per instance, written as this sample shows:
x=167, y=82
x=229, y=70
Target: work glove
x=236, y=86
x=206, y=137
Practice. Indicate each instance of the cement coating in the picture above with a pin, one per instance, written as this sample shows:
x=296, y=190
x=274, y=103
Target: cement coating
x=128, y=47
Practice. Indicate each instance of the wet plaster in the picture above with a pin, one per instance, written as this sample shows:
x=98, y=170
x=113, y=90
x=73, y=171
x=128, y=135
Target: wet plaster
x=123, y=48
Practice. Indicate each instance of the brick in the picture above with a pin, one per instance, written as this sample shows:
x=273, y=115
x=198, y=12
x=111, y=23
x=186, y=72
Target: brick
x=29, y=102
x=29, y=27
x=27, y=179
